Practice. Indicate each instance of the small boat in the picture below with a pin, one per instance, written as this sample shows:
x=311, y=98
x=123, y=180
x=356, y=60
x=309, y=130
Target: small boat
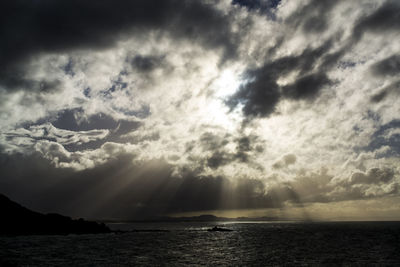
x=219, y=229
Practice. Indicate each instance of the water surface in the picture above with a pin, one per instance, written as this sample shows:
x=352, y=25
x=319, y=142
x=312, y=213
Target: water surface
x=250, y=244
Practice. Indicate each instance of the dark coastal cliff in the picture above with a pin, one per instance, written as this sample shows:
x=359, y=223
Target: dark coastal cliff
x=18, y=220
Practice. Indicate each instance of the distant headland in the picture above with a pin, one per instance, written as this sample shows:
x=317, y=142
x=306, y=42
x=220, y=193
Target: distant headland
x=18, y=220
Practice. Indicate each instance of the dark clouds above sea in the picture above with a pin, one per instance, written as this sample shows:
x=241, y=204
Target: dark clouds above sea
x=136, y=108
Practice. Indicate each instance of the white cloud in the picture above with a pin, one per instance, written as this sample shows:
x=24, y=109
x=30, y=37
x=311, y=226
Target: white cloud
x=178, y=88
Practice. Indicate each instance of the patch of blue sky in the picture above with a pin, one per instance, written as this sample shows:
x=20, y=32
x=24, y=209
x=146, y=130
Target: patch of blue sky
x=266, y=7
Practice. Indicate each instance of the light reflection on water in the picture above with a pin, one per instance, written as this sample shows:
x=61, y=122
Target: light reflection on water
x=189, y=243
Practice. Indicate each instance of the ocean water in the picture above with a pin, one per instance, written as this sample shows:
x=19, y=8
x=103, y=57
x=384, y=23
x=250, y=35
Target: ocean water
x=249, y=244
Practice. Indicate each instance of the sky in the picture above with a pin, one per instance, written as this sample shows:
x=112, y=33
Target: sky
x=133, y=109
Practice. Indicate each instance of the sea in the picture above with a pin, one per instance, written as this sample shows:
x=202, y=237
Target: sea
x=191, y=244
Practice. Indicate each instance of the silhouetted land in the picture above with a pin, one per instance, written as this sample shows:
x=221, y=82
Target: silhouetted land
x=18, y=220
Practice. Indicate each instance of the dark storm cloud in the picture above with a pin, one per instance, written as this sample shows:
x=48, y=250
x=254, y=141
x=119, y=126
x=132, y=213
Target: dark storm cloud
x=218, y=159
x=321, y=187
x=14, y=77
x=147, y=63
x=312, y=17
x=260, y=95
x=198, y=193
x=120, y=189
x=306, y=87
x=385, y=19
x=211, y=141
x=215, y=144
x=244, y=144
x=393, y=88
x=46, y=188
x=373, y=176
x=389, y=66
x=379, y=96
x=376, y=182
x=29, y=28
x=246, y=147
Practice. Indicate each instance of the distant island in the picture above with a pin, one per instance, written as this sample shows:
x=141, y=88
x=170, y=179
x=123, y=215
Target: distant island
x=200, y=218
x=18, y=220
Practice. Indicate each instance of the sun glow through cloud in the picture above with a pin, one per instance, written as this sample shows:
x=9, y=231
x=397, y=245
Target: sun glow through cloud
x=227, y=83
x=235, y=107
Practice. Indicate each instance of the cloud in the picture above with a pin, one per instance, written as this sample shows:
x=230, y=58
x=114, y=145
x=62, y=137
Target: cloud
x=306, y=87
x=48, y=132
x=264, y=7
x=218, y=159
x=224, y=150
x=124, y=188
x=391, y=89
x=146, y=63
x=262, y=93
x=321, y=187
x=45, y=27
x=211, y=141
x=374, y=183
x=386, y=139
x=97, y=25
x=148, y=107
x=384, y=19
x=117, y=184
x=389, y=66
x=312, y=17
x=286, y=161
x=373, y=176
